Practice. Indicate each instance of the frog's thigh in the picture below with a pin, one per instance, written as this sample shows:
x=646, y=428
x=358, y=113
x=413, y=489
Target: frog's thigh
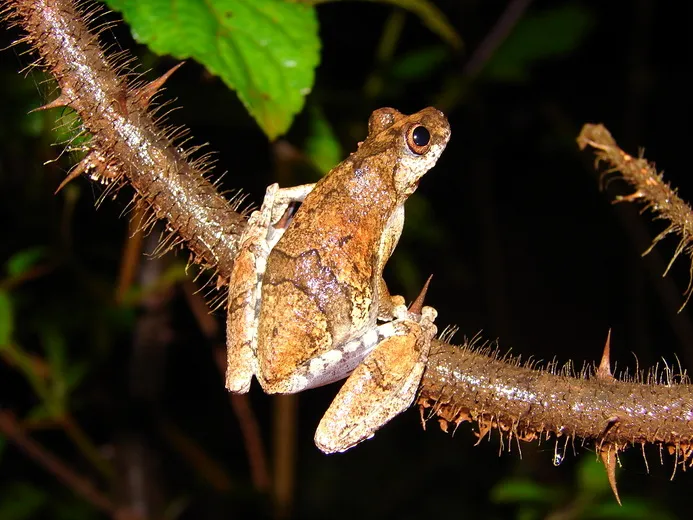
x=255, y=245
x=381, y=387
x=241, y=322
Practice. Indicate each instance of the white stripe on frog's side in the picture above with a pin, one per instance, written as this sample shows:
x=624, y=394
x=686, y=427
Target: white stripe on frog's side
x=336, y=365
x=319, y=364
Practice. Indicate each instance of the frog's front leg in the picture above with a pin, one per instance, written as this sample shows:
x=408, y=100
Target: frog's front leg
x=259, y=237
x=383, y=385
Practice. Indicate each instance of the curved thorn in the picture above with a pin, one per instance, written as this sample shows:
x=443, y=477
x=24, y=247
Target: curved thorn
x=78, y=170
x=417, y=304
x=610, y=465
x=60, y=101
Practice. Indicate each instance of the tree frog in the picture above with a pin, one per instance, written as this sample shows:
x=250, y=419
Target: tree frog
x=307, y=302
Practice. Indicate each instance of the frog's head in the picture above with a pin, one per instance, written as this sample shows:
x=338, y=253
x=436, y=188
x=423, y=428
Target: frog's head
x=416, y=142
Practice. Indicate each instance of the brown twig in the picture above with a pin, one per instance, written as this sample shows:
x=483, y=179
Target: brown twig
x=511, y=15
x=250, y=429
x=132, y=255
x=239, y=402
x=284, y=434
x=74, y=431
x=79, y=484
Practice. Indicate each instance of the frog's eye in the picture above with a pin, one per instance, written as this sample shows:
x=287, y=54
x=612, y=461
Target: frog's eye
x=419, y=139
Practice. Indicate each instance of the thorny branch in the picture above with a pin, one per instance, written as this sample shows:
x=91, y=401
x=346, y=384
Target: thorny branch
x=128, y=143
x=465, y=383
x=649, y=187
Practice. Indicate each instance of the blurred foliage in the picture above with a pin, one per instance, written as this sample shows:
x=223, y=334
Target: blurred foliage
x=428, y=13
x=539, y=36
x=510, y=222
x=590, y=498
x=322, y=146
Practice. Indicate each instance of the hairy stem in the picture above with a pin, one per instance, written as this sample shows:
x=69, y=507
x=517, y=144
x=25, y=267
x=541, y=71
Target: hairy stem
x=465, y=384
x=127, y=144
x=649, y=188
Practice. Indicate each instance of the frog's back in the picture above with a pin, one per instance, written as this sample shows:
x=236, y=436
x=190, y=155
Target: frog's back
x=321, y=278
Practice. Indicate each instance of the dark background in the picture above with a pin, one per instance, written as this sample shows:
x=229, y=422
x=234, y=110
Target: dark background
x=522, y=243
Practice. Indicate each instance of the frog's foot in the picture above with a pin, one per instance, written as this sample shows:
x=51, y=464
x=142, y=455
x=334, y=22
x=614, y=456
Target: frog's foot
x=259, y=237
x=425, y=318
x=383, y=385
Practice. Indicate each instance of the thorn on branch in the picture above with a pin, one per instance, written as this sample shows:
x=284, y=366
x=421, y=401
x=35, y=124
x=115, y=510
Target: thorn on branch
x=610, y=465
x=96, y=166
x=604, y=370
x=144, y=94
x=417, y=305
x=60, y=101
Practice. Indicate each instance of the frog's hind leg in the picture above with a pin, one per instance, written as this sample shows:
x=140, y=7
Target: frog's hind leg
x=382, y=386
x=242, y=302
x=245, y=284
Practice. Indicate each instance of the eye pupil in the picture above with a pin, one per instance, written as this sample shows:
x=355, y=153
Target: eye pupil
x=421, y=136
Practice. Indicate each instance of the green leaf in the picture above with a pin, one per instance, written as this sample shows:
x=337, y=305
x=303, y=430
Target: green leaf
x=174, y=274
x=25, y=502
x=6, y=318
x=428, y=13
x=521, y=491
x=74, y=374
x=266, y=50
x=536, y=37
x=22, y=261
x=322, y=145
x=420, y=63
x=632, y=509
x=54, y=347
x=25, y=363
x=592, y=477
x=68, y=128
x=39, y=414
x=420, y=224
x=56, y=356
x=73, y=508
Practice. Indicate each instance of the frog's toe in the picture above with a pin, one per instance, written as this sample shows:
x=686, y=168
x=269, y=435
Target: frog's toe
x=429, y=313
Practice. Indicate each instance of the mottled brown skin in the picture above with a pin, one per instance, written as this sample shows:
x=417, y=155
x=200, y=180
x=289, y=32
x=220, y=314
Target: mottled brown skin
x=323, y=284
